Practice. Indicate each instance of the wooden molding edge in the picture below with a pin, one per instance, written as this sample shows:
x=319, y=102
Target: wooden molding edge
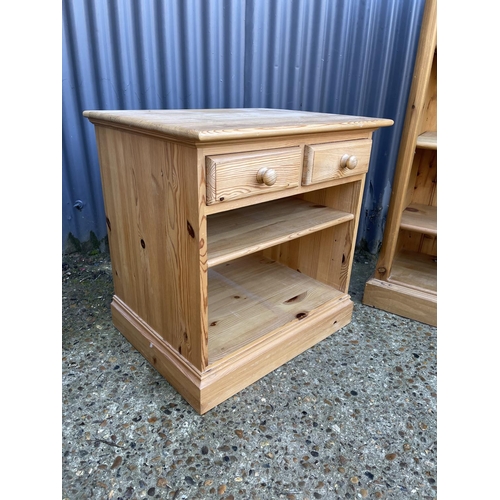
x=234, y=373
x=205, y=390
x=141, y=131
x=183, y=376
x=211, y=180
x=401, y=300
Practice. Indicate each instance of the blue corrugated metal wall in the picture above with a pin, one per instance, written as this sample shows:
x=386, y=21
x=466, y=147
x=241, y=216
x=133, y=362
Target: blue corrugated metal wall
x=337, y=56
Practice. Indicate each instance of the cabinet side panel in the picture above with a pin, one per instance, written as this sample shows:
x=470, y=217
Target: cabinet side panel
x=323, y=255
x=415, y=242
x=425, y=185
x=120, y=218
x=152, y=209
x=430, y=110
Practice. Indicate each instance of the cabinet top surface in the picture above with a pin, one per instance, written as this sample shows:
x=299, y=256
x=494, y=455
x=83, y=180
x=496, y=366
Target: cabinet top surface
x=206, y=125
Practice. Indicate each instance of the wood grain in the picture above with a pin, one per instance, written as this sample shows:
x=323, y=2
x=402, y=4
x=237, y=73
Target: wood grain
x=402, y=300
x=415, y=117
x=241, y=368
x=323, y=161
x=252, y=296
x=405, y=276
x=326, y=255
x=415, y=270
x=235, y=175
x=210, y=318
x=420, y=218
x=251, y=229
x=208, y=125
x=421, y=191
x=183, y=376
x=427, y=140
x=154, y=234
x=204, y=390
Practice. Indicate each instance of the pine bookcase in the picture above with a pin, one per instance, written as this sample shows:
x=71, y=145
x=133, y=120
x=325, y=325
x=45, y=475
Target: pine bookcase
x=405, y=277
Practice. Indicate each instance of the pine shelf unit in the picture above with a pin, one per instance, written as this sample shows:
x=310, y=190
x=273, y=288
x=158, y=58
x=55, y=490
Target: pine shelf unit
x=231, y=234
x=405, y=277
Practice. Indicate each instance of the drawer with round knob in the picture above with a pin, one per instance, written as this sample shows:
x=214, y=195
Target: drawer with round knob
x=324, y=162
x=239, y=175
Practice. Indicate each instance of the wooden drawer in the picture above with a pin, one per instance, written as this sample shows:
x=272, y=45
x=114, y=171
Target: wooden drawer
x=323, y=162
x=238, y=175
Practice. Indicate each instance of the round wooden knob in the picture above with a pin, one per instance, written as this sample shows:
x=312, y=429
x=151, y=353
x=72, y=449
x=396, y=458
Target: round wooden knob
x=267, y=176
x=348, y=161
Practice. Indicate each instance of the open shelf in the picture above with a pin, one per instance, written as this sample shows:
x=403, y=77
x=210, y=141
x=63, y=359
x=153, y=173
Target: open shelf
x=415, y=270
x=420, y=218
x=247, y=230
x=252, y=296
x=427, y=140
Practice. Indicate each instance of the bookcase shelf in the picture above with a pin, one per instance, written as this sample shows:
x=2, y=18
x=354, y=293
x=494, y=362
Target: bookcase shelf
x=427, y=140
x=420, y=218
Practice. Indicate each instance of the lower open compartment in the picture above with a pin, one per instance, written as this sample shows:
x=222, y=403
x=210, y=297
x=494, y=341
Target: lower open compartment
x=252, y=296
x=255, y=342
x=415, y=270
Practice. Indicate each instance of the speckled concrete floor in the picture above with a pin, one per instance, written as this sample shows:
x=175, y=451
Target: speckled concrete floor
x=353, y=417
